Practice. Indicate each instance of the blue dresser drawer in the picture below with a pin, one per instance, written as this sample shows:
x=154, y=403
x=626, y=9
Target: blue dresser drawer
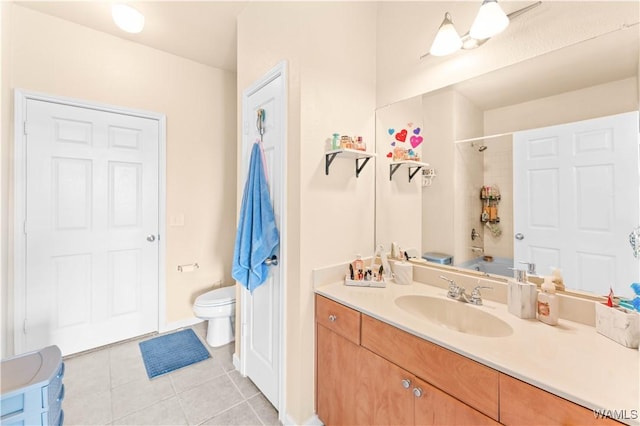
x=31, y=388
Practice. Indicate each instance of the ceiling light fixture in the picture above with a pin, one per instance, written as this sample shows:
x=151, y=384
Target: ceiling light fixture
x=490, y=21
x=127, y=18
x=447, y=39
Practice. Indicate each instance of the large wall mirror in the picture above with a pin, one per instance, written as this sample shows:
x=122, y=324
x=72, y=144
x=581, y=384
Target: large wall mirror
x=465, y=133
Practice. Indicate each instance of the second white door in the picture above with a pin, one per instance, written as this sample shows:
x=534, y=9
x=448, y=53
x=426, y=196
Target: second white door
x=261, y=311
x=91, y=226
x=576, y=201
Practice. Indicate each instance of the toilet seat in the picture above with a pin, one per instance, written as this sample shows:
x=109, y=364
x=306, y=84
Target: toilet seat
x=218, y=297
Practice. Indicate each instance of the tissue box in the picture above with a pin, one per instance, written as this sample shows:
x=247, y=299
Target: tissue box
x=618, y=324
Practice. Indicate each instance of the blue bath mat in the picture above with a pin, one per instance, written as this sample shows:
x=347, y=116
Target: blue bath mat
x=163, y=354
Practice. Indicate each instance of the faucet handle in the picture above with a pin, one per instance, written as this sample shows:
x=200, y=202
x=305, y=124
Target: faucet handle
x=476, y=297
x=453, y=287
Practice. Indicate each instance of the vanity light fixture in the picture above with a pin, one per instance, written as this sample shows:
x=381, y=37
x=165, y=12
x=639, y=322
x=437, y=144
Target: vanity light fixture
x=447, y=39
x=490, y=21
x=127, y=18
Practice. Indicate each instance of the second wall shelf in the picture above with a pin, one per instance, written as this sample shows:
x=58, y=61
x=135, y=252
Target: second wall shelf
x=413, y=167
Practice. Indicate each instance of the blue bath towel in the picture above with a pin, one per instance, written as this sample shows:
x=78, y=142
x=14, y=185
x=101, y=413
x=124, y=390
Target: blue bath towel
x=257, y=237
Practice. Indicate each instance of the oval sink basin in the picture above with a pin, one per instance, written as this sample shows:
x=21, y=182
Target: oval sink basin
x=455, y=315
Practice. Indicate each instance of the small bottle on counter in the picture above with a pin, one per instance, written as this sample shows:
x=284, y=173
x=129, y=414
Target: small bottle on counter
x=548, y=303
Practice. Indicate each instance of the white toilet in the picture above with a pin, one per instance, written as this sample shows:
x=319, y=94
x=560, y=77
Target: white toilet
x=219, y=308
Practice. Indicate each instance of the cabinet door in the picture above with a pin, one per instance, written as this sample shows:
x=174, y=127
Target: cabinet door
x=336, y=377
x=384, y=395
x=524, y=404
x=434, y=407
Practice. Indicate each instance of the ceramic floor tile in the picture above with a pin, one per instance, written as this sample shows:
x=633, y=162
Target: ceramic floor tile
x=196, y=374
x=224, y=354
x=265, y=411
x=209, y=399
x=83, y=409
x=126, y=369
x=167, y=412
x=133, y=396
x=244, y=384
x=88, y=373
x=240, y=415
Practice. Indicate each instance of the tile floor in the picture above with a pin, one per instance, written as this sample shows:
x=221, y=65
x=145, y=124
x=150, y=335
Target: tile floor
x=110, y=386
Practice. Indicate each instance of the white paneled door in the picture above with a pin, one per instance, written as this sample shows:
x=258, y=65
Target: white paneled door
x=576, y=201
x=91, y=226
x=261, y=312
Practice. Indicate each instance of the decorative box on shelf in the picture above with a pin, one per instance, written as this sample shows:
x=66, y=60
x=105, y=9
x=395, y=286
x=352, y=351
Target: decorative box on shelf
x=618, y=324
x=365, y=283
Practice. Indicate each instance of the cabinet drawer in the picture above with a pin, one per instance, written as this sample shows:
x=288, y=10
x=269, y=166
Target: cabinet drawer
x=469, y=381
x=338, y=318
x=524, y=404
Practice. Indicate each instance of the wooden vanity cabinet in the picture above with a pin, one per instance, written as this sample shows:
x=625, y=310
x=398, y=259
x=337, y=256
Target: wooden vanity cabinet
x=369, y=372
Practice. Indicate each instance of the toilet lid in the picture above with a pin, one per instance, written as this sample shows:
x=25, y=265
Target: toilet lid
x=219, y=296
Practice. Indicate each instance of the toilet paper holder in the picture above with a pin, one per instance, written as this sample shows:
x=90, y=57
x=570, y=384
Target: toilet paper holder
x=188, y=267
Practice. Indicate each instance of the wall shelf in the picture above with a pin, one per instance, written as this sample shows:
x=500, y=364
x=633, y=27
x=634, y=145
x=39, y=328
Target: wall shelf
x=413, y=167
x=361, y=158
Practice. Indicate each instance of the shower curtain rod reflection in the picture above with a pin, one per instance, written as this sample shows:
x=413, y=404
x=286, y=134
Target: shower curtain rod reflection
x=484, y=137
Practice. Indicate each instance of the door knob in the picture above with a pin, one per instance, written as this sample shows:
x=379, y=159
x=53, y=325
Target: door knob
x=519, y=236
x=417, y=392
x=151, y=238
x=406, y=383
x=271, y=261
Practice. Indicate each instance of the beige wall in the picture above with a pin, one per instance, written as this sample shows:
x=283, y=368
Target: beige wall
x=56, y=57
x=330, y=50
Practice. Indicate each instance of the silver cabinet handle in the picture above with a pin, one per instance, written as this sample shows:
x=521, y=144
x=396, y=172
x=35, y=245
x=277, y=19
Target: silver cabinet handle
x=519, y=236
x=151, y=238
x=406, y=383
x=271, y=261
x=417, y=392
x=333, y=318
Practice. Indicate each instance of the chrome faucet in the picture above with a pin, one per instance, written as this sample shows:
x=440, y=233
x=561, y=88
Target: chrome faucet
x=459, y=293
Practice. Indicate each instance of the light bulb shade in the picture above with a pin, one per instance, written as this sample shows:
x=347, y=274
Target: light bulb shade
x=491, y=20
x=127, y=18
x=447, y=39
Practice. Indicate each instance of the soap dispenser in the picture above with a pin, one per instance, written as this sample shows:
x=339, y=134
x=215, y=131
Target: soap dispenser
x=548, y=303
x=521, y=296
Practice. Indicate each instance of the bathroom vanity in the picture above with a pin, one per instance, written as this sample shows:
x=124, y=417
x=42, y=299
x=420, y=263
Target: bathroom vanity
x=376, y=363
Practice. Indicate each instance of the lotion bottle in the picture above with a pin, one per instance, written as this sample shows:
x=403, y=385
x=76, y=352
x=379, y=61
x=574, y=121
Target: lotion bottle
x=521, y=296
x=548, y=304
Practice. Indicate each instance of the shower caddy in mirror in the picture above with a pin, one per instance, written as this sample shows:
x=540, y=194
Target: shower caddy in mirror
x=490, y=196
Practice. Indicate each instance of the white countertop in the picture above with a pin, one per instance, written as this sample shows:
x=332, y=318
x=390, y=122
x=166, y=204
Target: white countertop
x=570, y=360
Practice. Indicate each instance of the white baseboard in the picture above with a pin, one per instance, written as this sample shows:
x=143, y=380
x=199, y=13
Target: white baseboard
x=179, y=324
x=311, y=421
x=236, y=363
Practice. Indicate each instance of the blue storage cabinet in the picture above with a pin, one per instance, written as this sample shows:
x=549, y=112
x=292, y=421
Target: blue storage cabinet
x=32, y=389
